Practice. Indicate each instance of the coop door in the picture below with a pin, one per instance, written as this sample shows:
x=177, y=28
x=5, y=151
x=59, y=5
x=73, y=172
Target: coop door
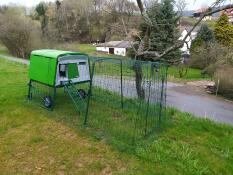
x=73, y=70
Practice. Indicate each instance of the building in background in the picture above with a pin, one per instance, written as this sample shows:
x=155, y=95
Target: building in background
x=114, y=47
x=229, y=13
x=198, y=13
x=188, y=42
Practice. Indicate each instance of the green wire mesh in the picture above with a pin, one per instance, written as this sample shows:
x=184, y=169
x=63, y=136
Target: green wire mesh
x=127, y=99
x=135, y=94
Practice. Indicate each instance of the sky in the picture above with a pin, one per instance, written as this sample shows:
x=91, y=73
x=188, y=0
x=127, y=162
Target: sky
x=191, y=4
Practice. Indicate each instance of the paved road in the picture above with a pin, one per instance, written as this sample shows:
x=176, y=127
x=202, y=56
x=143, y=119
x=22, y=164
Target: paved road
x=194, y=100
x=186, y=98
x=18, y=60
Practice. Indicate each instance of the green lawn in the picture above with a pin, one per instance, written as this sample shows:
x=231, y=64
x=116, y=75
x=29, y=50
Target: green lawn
x=3, y=50
x=192, y=75
x=85, y=48
x=36, y=141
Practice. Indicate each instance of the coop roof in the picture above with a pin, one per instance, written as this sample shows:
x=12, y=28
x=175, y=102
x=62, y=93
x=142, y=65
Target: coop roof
x=116, y=44
x=54, y=53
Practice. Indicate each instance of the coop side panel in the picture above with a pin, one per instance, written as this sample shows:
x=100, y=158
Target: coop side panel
x=43, y=69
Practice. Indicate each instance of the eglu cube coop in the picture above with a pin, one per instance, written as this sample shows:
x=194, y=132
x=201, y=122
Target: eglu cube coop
x=54, y=69
x=133, y=92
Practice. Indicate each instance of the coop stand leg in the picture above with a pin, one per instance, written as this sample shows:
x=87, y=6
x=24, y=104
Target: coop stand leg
x=89, y=93
x=29, y=90
x=54, y=97
x=161, y=104
x=122, y=96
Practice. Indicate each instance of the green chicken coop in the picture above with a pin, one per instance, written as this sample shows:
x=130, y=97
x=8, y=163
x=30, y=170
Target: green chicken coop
x=59, y=69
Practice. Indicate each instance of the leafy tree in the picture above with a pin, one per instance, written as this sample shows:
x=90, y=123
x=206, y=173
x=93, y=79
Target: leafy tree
x=205, y=36
x=166, y=34
x=158, y=37
x=41, y=9
x=19, y=33
x=224, y=31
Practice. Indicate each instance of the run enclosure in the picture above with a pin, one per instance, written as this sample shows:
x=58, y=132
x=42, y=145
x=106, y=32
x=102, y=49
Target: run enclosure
x=135, y=89
x=132, y=93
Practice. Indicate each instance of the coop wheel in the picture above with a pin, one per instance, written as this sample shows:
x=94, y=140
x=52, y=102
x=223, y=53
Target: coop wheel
x=48, y=102
x=82, y=93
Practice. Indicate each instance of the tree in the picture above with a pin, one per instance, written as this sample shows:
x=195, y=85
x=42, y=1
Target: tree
x=205, y=36
x=19, y=33
x=41, y=9
x=142, y=48
x=214, y=8
x=224, y=31
x=165, y=34
x=158, y=38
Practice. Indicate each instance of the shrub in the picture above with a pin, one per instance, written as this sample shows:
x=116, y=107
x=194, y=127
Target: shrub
x=224, y=76
x=223, y=31
x=19, y=33
x=204, y=36
x=210, y=57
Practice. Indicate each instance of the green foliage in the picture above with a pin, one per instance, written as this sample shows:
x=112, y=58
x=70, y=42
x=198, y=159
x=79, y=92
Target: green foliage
x=191, y=74
x=223, y=78
x=223, y=31
x=165, y=34
x=18, y=33
x=3, y=50
x=205, y=36
x=41, y=10
x=210, y=57
x=198, y=42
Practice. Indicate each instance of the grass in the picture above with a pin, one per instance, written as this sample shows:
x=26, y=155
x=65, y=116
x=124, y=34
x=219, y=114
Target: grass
x=192, y=75
x=3, y=50
x=36, y=141
x=85, y=48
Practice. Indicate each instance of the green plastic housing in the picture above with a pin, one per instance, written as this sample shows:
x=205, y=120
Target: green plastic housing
x=43, y=65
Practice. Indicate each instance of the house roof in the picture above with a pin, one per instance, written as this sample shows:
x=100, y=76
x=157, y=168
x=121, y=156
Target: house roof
x=53, y=53
x=229, y=12
x=116, y=44
x=201, y=10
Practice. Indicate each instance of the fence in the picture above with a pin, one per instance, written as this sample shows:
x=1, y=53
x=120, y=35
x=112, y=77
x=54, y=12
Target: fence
x=135, y=93
x=127, y=98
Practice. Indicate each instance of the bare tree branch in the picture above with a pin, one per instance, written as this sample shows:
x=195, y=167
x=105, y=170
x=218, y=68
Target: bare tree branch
x=144, y=13
x=126, y=33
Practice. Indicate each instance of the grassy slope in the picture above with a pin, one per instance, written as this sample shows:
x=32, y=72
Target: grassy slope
x=33, y=140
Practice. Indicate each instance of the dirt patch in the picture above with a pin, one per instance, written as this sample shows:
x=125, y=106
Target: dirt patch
x=189, y=90
x=201, y=84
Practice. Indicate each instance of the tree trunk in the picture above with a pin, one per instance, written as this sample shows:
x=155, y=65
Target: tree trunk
x=138, y=80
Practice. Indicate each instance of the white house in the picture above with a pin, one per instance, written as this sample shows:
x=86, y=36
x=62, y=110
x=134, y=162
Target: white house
x=114, y=47
x=188, y=42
